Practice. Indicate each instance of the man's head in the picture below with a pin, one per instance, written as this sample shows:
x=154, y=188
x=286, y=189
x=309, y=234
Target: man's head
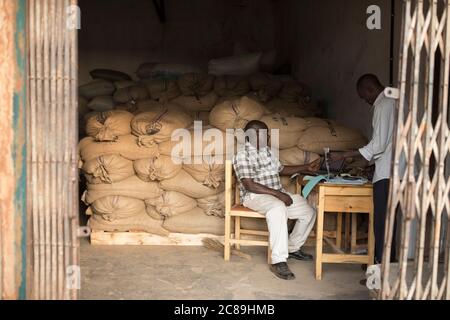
x=257, y=133
x=369, y=87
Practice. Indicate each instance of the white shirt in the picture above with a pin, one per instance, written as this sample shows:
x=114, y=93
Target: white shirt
x=379, y=148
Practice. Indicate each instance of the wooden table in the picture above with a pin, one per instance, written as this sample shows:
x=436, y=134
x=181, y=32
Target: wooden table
x=342, y=198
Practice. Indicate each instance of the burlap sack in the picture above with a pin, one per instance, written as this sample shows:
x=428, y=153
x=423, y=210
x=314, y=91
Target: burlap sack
x=209, y=142
x=235, y=114
x=294, y=91
x=123, y=84
x=195, y=221
x=289, y=129
x=96, y=88
x=102, y=103
x=140, y=222
x=107, y=169
x=110, y=75
x=155, y=127
x=291, y=109
x=152, y=70
x=338, y=138
x=126, y=146
x=183, y=182
x=132, y=187
x=319, y=122
x=194, y=103
x=109, y=125
x=162, y=90
x=295, y=156
x=205, y=170
x=227, y=86
x=83, y=106
x=159, y=168
x=202, y=116
x=265, y=85
x=116, y=207
x=213, y=205
x=172, y=203
x=196, y=84
x=131, y=94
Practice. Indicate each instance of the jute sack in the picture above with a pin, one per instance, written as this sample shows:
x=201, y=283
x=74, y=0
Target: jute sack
x=102, y=103
x=291, y=109
x=107, y=169
x=241, y=65
x=195, y=221
x=109, y=125
x=288, y=184
x=202, y=116
x=96, y=88
x=183, y=182
x=336, y=138
x=140, y=222
x=125, y=146
x=150, y=70
x=266, y=86
x=206, y=171
x=155, y=127
x=162, y=90
x=213, y=205
x=116, y=207
x=110, y=75
x=159, y=168
x=208, y=142
x=132, y=187
x=226, y=86
x=235, y=114
x=124, y=84
x=172, y=203
x=295, y=156
x=320, y=122
x=130, y=94
x=294, y=91
x=193, y=103
x=83, y=106
x=129, y=106
x=289, y=129
x=196, y=84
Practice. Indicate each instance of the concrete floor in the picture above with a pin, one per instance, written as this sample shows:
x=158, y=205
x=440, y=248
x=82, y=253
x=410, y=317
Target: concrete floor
x=143, y=272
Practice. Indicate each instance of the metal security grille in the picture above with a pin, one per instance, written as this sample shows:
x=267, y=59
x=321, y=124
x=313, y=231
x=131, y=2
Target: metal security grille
x=420, y=185
x=52, y=151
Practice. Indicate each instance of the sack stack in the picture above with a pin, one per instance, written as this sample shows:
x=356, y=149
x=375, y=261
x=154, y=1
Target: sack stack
x=136, y=180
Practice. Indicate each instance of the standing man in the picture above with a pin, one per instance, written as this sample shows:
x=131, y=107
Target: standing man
x=378, y=149
x=258, y=172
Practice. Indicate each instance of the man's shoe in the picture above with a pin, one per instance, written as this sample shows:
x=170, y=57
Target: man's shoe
x=281, y=270
x=300, y=255
x=363, y=282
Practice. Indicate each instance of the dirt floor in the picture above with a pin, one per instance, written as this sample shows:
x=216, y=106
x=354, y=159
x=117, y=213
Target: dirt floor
x=169, y=272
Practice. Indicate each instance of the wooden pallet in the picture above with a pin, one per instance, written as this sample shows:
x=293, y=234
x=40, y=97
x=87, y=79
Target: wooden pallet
x=148, y=239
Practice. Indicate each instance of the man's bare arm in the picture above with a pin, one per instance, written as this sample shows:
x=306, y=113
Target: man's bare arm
x=258, y=188
x=312, y=167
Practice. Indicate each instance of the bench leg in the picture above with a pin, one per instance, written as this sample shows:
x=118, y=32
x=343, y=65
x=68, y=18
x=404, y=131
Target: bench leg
x=237, y=231
x=269, y=254
x=227, y=249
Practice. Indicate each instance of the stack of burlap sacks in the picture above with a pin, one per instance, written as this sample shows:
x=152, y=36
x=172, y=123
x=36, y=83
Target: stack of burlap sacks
x=133, y=182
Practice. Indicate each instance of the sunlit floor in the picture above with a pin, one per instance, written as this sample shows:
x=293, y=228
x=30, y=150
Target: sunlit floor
x=144, y=272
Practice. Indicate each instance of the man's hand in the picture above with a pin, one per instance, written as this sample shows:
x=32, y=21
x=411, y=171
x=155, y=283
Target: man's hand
x=314, y=166
x=285, y=198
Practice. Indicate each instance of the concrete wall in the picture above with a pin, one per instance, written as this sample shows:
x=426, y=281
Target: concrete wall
x=329, y=46
x=122, y=34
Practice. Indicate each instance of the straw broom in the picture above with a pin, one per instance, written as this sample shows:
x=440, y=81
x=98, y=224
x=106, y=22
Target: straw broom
x=216, y=245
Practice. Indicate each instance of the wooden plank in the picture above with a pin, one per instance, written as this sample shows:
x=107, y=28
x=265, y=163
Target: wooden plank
x=344, y=258
x=364, y=190
x=148, y=239
x=319, y=233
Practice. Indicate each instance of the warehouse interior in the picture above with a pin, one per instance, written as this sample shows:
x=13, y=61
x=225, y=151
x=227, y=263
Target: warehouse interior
x=324, y=44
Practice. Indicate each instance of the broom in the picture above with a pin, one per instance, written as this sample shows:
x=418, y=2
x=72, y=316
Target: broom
x=216, y=245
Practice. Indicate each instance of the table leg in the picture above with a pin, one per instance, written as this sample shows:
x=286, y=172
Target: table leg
x=319, y=233
x=347, y=230
x=354, y=232
x=339, y=230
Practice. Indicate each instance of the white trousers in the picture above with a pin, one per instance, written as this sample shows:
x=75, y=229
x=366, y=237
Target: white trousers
x=277, y=214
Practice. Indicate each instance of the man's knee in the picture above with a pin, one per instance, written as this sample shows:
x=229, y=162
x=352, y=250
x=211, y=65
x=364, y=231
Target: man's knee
x=277, y=210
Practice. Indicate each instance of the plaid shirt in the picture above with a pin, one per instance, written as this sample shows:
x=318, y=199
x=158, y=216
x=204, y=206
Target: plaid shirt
x=259, y=165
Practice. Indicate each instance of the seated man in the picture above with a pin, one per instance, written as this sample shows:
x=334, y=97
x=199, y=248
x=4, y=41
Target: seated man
x=258, y=172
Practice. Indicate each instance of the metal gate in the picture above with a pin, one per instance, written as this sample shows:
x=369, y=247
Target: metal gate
x=420, y=191
x=52, y=151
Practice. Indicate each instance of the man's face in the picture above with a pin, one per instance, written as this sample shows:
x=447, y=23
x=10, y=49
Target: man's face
x=258, y=137
x=365, y=94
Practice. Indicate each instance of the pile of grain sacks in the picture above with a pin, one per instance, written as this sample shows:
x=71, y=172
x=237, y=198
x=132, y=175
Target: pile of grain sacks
x=134, y=183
